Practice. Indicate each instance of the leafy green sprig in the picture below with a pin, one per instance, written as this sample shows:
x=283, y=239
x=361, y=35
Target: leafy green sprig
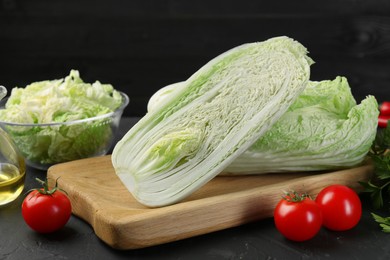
x=384, y=222
x=379, y=185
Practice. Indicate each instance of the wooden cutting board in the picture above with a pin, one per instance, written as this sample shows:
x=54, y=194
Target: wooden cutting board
x=100, y=198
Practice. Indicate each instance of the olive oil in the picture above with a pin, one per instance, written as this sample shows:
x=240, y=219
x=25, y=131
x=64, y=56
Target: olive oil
x=11, y=182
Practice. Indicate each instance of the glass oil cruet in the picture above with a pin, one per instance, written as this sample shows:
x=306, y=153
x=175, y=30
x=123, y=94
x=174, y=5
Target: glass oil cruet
x=12, y=166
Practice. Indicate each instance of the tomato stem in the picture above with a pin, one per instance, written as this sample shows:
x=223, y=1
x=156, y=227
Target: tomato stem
x=45, y=190
x=294, y=196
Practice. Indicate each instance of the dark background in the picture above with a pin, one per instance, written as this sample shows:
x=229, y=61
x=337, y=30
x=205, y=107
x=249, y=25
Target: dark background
x=140, y=46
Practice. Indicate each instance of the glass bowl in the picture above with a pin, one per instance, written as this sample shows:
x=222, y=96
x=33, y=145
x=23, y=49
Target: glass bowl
x=43, y=145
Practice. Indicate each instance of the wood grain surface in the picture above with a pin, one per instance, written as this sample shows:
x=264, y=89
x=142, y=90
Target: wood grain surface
x=99, y=197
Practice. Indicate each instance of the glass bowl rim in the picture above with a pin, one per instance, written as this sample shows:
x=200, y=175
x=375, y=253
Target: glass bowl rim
x=120, y=109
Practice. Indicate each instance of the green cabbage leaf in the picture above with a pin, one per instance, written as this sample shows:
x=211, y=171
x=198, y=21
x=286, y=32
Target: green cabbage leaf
x=323, y=130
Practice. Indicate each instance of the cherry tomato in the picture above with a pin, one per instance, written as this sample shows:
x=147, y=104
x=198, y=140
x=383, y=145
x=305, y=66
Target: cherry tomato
x=382, y=120
x=385, y=108
x=46, y=211
x=297, y=217
x=341, y=207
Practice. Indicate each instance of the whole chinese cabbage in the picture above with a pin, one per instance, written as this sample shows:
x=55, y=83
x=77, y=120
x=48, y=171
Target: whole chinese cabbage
x=207, y=122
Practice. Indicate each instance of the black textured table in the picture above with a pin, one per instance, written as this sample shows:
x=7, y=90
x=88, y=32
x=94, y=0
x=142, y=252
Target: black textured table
x=258, y=240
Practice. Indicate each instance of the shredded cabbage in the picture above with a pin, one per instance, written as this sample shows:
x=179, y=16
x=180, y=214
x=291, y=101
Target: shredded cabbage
x=60, y=100
x=208, y=121
x=56, y=101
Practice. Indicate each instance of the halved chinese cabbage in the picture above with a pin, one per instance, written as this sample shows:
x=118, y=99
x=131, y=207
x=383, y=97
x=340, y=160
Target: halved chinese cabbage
x=208, y=121
x=323, y=129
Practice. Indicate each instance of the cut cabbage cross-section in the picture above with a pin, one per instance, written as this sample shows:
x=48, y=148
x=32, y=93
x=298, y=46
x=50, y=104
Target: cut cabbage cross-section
x=205, y=123
x=324, y=129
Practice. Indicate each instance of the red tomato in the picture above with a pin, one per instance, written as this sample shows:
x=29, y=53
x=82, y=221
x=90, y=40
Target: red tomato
x=385, y=108
x=297, y=217
x=341, y=207
x=46, y=213
x=382, y=120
